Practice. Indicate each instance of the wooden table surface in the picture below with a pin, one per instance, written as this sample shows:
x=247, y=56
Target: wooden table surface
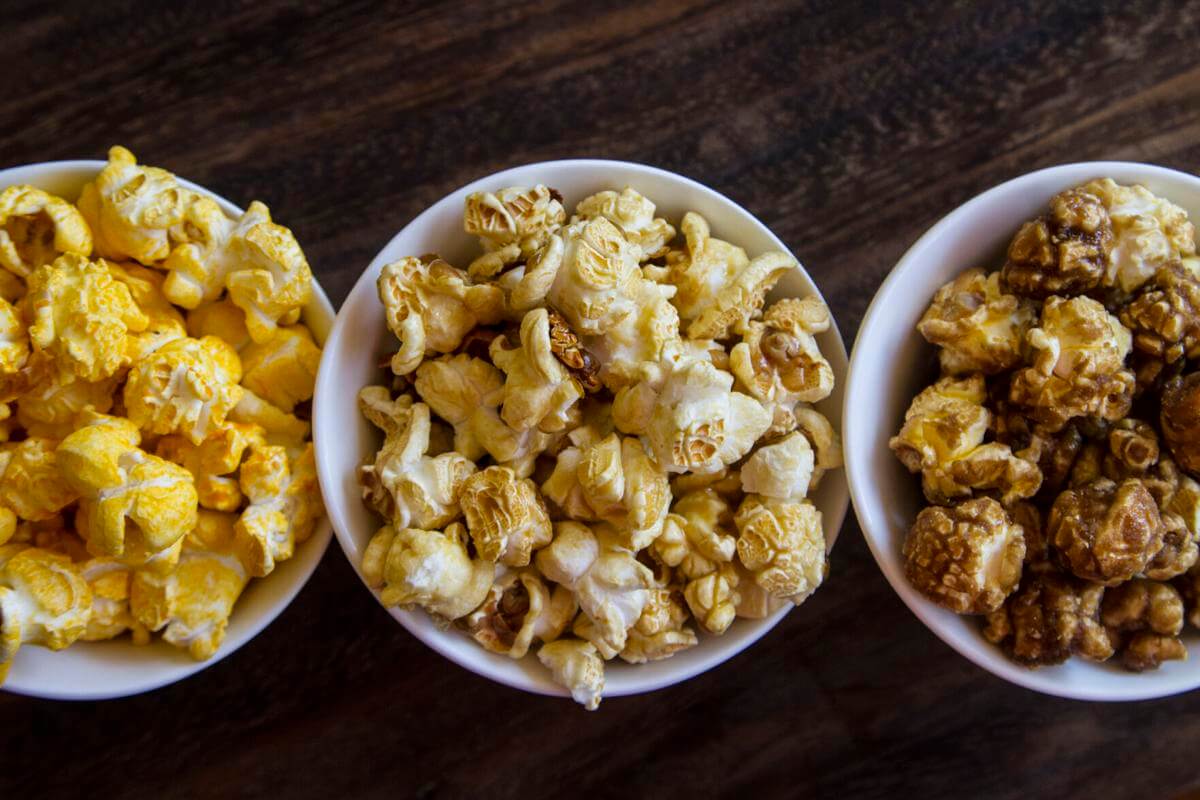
x=848, y=127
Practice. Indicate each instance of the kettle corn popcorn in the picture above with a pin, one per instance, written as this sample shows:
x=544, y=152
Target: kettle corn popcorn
x=633, y=440
x=1058, y=448
x=155, y=377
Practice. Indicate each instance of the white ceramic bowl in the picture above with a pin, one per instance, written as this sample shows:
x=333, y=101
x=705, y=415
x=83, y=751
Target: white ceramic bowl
x=117, y=668
x=360, y=339
x=891, y=363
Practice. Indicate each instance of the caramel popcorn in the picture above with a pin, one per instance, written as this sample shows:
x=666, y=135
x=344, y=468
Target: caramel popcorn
x=572, y=398
x=153, y=378
x=36, y=228
x=1064, y=394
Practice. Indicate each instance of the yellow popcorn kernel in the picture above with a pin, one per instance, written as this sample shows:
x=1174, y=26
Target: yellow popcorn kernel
x=80, y=316
x=213, y=461
x=36, y=228
x=221, y=319
x=14, y=340
x=273, y=281
x=31, y=483
x=109, y=580
x=283, y=369
x=44, y=599
x=281, y=427
x=164, y=322
x=53, y=402
x=187, y=386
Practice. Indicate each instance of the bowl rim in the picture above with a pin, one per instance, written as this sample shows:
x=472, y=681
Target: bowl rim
x=320, y=539
x=863, y=495
x=435, y=640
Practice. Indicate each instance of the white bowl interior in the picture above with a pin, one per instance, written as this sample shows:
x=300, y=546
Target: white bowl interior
x=891, y=362
x=360, y=339
x=117, y=668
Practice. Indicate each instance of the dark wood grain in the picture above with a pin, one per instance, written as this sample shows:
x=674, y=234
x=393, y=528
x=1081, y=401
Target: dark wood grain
x=848, y=127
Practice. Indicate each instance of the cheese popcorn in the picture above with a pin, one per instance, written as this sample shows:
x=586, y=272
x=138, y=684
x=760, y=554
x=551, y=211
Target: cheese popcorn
x=283, y=369
x=213, y=461
x=164, y=322
x=134, y=212
x=80, y=317
x=44, y=599
x=594, y=400
x=191, y=605
x=36, y=228
x=110, y=581
x=32, y=485
x=187, y=386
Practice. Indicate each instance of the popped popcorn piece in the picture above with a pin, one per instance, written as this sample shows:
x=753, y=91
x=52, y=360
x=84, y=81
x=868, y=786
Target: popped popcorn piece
x=404, y=484
x=1105, y=532
x=783, y=544
x=1065, y=252
x=43, y=600
x=518, y=215
x=431, y=306
x=283, y=369
x=713, y=598
x=36, y=228
x=643, y=344
x=1148, y=233
x=539, y=391
x=575, y=665
x=505, y=515
x=520, y=608
x=285, y=504
x=1051, y=617
x=695, y=537
x=164, y=323
x=700, y=424
x=110, y=582
x=134, y=212
x=705, y=266
x=740, y=300
x=633, y=213
x=31, y=484
x=1165, y=316
x=191, y=604
x=611, y=585
x=213, y=461
x=826, y=444
x=1079, y=351
x=781, y=470
x=80, y=316
x=14, y=340
x=119, y=483
x=1180, y=419
x=593, y=283
x=612, y=480
x=430, y=569
x=661, y=631
x=967, y=558
x=187, y=386
x=281, y=427
x=977, y=326
x=221, y=319
x=467, y=392
x=1146, y=618
x=778, y=360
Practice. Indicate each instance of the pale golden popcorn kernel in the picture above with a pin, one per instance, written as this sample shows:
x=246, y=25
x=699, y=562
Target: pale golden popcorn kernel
x=976, y=325
x=505, y=515
x=31, y=483
x=518, y=215
x=1079, y=352
x=1106, y=532
x=44, y=599
x=164, y=322
x=187, y=386
x=781, y=470
x=270, y=280
x=713, y=598
x=465, y=392
x=281, y=427
x=538, y=389
x=110, y=581
x=404, y=484
x=221, y=319
x=52, y=403
x=134, y=212
x=14, y=340
x=431, y=306
x=783, y=544
x=575, y=665
x=213, y=461
x=1149, y=232
x=80, y=316
x=700, y=272
x=700, y=424
x=754, y=602
x=611, y=585
x=633, y=213
x=285, y=504
x=519, y=609
x=36, y=228
x=283, y=369
x=967, y=557
x=644, y=344
x=741, y=300
x=130, y=501
x=191, y=604
x=695, y=537
x=661, y=631
x=595, y=282
x=778, y=360
x=430, y=569
x=613, y=480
